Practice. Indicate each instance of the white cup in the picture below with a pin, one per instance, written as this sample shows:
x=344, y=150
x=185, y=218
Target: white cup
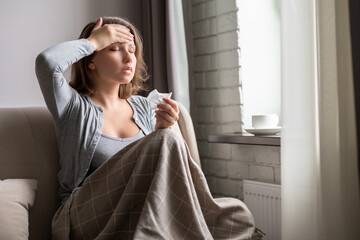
x=265, y=121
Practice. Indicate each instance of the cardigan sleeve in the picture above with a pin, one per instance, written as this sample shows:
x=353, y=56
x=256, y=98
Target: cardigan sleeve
x=49, y=67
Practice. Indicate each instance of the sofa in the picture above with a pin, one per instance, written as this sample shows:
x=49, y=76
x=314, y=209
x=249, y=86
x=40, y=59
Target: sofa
x=28, y=150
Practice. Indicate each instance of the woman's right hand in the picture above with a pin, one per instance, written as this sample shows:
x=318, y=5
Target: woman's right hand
x=103, y=36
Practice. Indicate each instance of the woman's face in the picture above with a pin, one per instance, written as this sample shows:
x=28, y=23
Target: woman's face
x=115, y=63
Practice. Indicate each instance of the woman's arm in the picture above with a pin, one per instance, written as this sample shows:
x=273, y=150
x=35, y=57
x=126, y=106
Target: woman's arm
x=53, y=61
x=49, y=66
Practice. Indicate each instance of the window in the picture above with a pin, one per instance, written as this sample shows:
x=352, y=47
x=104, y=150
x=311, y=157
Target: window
x=260, y=44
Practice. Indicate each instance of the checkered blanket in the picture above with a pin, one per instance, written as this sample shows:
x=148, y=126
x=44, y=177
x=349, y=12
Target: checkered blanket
x=151, y=189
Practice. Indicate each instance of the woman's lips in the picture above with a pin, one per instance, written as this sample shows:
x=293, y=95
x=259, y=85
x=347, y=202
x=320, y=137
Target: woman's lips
x=127, y=69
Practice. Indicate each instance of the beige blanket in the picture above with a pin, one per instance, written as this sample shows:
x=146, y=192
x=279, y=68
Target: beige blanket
x=152, y=189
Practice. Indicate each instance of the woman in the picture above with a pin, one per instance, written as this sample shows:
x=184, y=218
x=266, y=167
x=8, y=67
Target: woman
x=124, y=174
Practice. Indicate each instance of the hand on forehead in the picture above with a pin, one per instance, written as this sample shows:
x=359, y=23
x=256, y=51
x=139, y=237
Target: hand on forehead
x=104, y=35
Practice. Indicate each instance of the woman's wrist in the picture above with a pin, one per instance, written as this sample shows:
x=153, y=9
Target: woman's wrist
x=92, y=42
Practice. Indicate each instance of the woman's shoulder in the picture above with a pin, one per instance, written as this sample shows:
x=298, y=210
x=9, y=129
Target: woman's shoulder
x=137, y=98
x=139, y=101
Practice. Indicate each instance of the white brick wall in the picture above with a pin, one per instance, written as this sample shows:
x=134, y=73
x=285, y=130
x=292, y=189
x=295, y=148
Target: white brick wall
x=204, y=63
x=218, y=91
x=204, y=28
x=225, y=6
x=220, y=151
x=224, y=114
x=206, y=45
x=227, y=22
x=238, y=170
x=262, y=173
x=216, y=168
x=228, y=40
x=228, y=59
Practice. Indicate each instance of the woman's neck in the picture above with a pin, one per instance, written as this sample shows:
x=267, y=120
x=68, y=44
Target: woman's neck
x=107, y=98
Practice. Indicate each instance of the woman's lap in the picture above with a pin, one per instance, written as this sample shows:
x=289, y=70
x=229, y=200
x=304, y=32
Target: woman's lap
x=153, y=189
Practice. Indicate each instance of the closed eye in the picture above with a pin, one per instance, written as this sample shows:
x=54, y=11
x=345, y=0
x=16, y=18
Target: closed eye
x=117, y=49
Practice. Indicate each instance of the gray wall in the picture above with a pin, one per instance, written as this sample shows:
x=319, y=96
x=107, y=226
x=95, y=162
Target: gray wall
x=29, y=27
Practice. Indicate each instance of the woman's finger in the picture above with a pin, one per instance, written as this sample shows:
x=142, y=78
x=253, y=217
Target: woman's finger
x=123, y=38
x=121, y=34
x=120, y=29
x=170, y=110
x=172, y=103
x=161, y=122
x=166, y=116
x=98, y=24
x=124, y=30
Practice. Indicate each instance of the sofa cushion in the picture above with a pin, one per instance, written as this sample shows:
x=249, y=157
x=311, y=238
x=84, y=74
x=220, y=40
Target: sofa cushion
x=16, y=197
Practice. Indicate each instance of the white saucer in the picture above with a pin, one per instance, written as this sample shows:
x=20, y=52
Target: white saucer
x=263, y=131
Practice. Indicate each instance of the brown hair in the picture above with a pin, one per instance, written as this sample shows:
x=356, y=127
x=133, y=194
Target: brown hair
x=81, y=78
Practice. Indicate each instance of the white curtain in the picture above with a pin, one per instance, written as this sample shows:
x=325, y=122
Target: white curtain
x=320, y=182
x=177, y=60
x=165, y=46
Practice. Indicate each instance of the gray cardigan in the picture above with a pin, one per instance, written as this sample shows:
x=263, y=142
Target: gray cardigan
x=78, y=121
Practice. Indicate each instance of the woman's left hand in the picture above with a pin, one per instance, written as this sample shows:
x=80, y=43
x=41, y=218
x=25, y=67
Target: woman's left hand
x=166, y=114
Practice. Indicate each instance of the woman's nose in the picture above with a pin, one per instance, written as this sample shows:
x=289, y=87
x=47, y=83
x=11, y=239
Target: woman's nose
x=127, y=57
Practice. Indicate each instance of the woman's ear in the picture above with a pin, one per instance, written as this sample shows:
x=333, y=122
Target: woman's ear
x=91, y=66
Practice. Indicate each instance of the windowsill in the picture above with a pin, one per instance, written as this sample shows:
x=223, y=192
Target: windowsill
x=246, y=138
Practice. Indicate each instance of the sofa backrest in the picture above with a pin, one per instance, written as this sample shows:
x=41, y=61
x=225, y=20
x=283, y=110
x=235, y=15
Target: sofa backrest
x=28, y=149
x=187, y=131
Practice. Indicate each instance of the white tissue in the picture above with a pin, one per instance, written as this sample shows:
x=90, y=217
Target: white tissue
x=155, y=98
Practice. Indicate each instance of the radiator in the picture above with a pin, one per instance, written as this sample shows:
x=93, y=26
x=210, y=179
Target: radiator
x=264, y=202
